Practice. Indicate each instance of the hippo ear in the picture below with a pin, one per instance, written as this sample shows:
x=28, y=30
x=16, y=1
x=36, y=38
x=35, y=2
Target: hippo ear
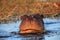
x=42, y=16
x=23, y=17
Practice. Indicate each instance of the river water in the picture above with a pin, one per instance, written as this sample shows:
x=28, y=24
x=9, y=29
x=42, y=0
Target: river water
x=10, y=31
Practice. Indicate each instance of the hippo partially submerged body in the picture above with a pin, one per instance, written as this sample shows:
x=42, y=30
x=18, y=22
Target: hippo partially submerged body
x=31, y=24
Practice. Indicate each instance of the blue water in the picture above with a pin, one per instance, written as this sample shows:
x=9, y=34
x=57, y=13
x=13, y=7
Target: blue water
x=10, y=31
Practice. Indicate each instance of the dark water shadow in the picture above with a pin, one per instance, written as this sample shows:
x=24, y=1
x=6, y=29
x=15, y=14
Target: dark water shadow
x=48, y=34
x=33, y=36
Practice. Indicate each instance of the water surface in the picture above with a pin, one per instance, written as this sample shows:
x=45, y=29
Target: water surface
x=10, y=31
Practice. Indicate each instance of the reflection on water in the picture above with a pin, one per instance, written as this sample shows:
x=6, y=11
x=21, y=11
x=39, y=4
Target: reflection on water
x=10, y=31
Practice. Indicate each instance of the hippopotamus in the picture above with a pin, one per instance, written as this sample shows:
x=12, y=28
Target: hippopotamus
x=31, y=24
